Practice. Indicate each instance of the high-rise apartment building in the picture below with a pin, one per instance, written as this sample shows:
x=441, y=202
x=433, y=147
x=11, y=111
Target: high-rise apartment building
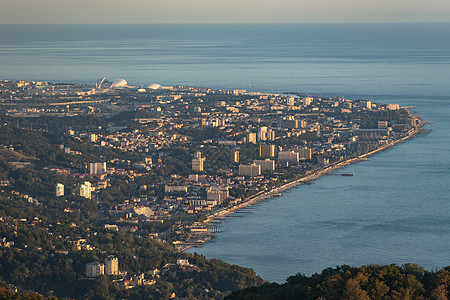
x=307, y=100
x=197, y=162
x=59, y=190
x=85, y=190
x=217, y=193
x=304, y=153
x=94, y=269
x=97, y=168
x=251, y=137
x=235, y=157
x=92, y=137
x=266, y=150
x=271, y=135
x=111, y=265
x=249, y=170
x=262, y=133
x=266, y=165
x=289, y=156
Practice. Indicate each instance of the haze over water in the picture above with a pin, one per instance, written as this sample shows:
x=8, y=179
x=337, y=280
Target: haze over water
x=397, y=207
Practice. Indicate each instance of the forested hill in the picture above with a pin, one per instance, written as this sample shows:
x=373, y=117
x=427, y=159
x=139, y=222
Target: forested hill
x=7, y=293
x=46, y=242
x=408, y=281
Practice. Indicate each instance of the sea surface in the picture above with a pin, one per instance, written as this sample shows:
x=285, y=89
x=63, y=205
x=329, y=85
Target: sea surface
x=396, y=209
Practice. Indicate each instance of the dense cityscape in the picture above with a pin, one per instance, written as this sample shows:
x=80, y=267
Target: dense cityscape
x=112, y=182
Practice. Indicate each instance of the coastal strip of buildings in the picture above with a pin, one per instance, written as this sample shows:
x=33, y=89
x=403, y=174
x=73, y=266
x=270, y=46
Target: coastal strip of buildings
x=186, y=152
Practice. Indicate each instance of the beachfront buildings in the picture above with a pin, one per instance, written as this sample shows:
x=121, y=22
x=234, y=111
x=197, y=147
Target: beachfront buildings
x=304, y=153
x=323, y=161
x=227, y=129
x=217, y=193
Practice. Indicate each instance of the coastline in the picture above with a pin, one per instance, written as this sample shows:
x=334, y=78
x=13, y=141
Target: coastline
x=277, y=191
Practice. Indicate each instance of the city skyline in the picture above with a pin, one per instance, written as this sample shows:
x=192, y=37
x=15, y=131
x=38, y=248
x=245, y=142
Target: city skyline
x=215, y=11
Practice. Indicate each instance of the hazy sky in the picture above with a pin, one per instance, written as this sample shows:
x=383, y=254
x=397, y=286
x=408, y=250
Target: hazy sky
x=222, y=11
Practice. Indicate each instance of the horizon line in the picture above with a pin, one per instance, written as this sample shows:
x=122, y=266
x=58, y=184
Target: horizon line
x=235, y=23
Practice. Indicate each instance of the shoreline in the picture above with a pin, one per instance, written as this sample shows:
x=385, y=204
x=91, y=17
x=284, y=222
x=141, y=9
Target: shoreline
x=277, y=191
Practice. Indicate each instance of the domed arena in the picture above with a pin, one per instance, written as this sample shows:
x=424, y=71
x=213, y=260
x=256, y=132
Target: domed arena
x=152, y=86
x=119, y=82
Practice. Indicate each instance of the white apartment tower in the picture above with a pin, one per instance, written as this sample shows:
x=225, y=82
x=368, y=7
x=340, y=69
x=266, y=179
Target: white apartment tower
x=92, y=137
x=85, y=190
x=271, y=135
x=251, y=137
x=262, y=133
x=235, y=157
x=111, y=265
x=59, y=190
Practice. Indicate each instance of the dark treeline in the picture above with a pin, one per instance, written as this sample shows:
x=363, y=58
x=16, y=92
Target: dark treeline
x=408, y=281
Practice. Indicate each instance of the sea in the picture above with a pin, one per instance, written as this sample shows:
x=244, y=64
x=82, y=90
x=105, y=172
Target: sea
x=395, y=210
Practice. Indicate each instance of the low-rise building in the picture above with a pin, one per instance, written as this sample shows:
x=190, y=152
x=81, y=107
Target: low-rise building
x=183, y=262
x=143, y=211
x=175, y=189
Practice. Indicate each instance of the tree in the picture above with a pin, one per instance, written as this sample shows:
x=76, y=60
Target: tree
x=439, y=293
x=353, y=291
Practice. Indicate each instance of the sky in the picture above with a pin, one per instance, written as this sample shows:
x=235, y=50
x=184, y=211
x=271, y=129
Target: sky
x=222, y=11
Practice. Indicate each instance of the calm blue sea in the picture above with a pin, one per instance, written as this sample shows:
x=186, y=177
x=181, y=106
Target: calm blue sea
x=397, y=207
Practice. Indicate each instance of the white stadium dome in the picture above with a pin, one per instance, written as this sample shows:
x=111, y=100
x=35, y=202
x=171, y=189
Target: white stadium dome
x=119, y=82
x=153, y=86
